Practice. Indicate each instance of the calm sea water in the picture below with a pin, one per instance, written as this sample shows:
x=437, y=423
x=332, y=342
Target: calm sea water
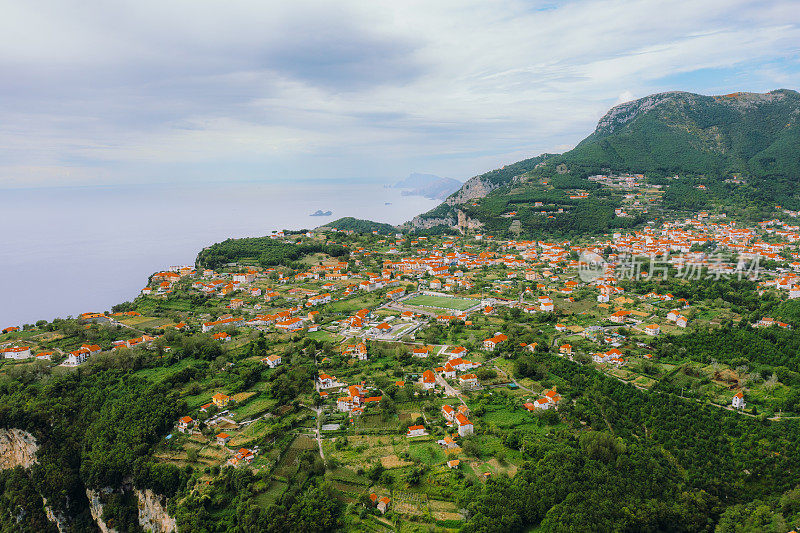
x=70, y=250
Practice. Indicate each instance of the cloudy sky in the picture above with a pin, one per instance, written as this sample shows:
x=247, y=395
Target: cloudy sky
x=152, y=91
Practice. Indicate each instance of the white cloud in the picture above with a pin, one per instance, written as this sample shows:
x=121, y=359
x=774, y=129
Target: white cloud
x=351, y=88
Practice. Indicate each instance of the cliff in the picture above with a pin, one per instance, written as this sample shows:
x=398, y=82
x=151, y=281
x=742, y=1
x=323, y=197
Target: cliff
x=17, y=448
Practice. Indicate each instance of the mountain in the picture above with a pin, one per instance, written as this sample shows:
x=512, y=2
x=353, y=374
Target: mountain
x=428, y=185
x=678, y=132
x=710, y=139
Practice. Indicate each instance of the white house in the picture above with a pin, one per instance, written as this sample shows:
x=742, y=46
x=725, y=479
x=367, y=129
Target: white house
x=464, y=425
x=468, y=381
x=492, y=342
x=416, y=431
x=18, y=352
x=652, y=329
x=326, y=381
x=448, y=412
x=428, y=380
x=184, y=424
x=738, y=401
x=272, y=361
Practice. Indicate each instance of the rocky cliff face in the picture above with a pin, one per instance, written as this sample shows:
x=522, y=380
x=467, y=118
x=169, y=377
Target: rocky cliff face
x=476, y=187
x=741, y=102
x=153, y=514
x=17, y=448
x=96, y=508
x=56, y=517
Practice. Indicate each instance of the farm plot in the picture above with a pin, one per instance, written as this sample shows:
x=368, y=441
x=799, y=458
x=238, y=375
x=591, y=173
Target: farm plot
x=442, y=302
x=289, y=460
x=442, y=510
x=410, y=503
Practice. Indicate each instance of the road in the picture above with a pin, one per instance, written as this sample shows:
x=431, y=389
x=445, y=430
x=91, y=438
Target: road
x=318, y=410
x=450, y=391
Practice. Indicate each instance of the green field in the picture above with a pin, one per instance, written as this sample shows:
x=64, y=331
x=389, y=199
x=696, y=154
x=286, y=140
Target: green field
x=442, y=302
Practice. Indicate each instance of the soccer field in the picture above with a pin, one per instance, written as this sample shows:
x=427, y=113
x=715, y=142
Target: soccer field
x=440, y=302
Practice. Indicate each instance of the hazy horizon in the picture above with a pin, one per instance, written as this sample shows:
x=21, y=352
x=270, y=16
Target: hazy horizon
x=141, y=93
x=69, y=250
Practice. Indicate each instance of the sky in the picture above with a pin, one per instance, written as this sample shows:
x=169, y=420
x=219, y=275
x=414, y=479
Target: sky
x=106, y=93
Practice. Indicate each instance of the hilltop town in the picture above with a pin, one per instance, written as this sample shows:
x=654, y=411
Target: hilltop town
x=411, y=369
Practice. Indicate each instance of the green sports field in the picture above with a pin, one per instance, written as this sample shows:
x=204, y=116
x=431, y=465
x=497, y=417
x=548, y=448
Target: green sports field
x=440, y=302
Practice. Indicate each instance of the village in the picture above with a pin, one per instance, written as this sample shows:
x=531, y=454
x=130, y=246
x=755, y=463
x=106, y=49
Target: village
x=420, y=356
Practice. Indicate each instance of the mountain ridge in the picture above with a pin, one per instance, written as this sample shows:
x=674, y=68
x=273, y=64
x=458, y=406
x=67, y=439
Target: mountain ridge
x=751, y=135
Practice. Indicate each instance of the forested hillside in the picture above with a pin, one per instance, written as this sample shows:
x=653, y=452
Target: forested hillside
x=752, y=134
x=361, y=226
x=263, y=251
x=737, y=151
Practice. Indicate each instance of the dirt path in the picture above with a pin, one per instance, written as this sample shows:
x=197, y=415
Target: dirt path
x=318, y=410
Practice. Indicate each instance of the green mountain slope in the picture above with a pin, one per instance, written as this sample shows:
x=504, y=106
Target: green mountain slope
x=706, y=140
x=754, y=134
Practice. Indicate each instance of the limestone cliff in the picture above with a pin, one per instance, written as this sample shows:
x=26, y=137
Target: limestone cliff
x=96, y=508
x=17, y=448
x=153, y=514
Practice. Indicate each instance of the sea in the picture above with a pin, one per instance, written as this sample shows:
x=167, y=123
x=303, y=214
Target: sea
x=69, y=250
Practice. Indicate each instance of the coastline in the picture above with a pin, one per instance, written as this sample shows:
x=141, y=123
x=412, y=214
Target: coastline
x=105, y=241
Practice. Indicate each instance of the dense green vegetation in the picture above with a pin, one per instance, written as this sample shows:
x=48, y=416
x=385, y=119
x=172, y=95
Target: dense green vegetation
x=579, y=217
x=690, y=133
x=654, y=462
x=361, y=226
x=704, y=139
x=262, y=250
x=95, y=427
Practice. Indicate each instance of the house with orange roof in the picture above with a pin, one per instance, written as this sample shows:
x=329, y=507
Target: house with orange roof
x=448, y=412
x=738, y=401
x=242, y=456
x=383, y=504
x=361, y=351
x=272, y=360
x=223, y=438
x=428, y=380
x=619, y=316
x=327, y=382
x=416, y=431
x=17, y=352
x=220, y=400
x=652, y=329
x=456, y=351
x=468, y=381
x=492, y=342
x=421, y=351
x=465, y=427
x=552, y=397
x=184, y=423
